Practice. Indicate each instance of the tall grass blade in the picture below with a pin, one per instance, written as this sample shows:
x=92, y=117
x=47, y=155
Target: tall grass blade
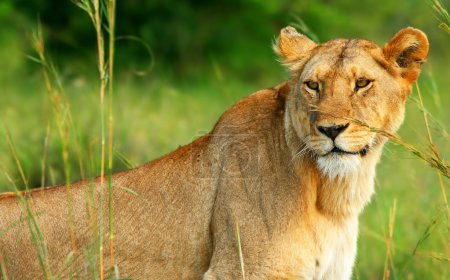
x=442, y=15
x=62, y=115
x=127, y=162
x=13, y=151
x=112, y=26
x=3, y=268
x=148, y=50
x=36, y=235
x=389, y=241
x=435, y=152
x=430, y=228
x=44, y=157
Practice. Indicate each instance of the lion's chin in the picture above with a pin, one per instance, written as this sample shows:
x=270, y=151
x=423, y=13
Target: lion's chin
x=339, y=165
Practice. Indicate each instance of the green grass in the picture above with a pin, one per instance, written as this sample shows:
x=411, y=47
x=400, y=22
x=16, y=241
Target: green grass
x=156, y=113
x=153, y=118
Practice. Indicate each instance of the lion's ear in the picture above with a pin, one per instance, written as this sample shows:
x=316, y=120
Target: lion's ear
x=292, y=46
x=407, y=50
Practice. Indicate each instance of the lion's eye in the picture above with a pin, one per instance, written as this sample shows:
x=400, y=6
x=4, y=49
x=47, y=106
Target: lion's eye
x=312, y=85
x=361, y=83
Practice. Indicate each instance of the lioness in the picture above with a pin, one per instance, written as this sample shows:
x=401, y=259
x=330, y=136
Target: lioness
x=289, y=167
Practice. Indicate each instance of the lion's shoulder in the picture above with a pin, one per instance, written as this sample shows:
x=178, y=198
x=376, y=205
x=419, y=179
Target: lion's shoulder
x=259, y=111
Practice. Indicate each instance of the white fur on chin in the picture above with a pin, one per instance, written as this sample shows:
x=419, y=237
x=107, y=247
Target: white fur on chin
x=339, y=165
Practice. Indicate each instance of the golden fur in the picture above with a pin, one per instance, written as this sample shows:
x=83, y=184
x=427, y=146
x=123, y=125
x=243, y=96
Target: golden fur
x=267, y=166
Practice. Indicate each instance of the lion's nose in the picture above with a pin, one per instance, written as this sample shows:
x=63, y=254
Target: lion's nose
x=332, y=131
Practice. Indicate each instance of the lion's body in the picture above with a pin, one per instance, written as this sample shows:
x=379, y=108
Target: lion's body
x=164, y=207
x=257, y=172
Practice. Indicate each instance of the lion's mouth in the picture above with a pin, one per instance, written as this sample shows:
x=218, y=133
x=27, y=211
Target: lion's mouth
x=361, y=152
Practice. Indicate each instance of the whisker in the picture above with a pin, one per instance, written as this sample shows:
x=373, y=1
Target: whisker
x=302, y=152
x=305, y=149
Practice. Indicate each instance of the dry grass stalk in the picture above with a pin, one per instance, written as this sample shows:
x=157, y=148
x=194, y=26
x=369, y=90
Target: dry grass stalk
x=96, y=11
x=35, y=232
x=436, y=154
x=112, y=27
x=389, y=241
x=62, y=116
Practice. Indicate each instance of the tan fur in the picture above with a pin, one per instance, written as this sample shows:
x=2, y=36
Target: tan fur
x=264, y=167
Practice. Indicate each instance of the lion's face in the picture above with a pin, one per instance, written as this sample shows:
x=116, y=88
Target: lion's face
x=344, y=91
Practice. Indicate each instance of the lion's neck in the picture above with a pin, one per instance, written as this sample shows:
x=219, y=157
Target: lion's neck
x=340, y=196
x=347, y=196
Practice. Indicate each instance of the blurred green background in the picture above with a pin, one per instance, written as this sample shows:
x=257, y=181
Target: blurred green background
x=180, y=64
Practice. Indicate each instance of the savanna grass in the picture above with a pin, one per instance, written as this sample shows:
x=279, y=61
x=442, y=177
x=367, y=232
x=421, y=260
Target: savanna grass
x=442, y=15
x=102, y=15
x=100, y=11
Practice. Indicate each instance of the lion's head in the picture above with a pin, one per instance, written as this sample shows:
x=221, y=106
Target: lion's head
x=342, y=89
